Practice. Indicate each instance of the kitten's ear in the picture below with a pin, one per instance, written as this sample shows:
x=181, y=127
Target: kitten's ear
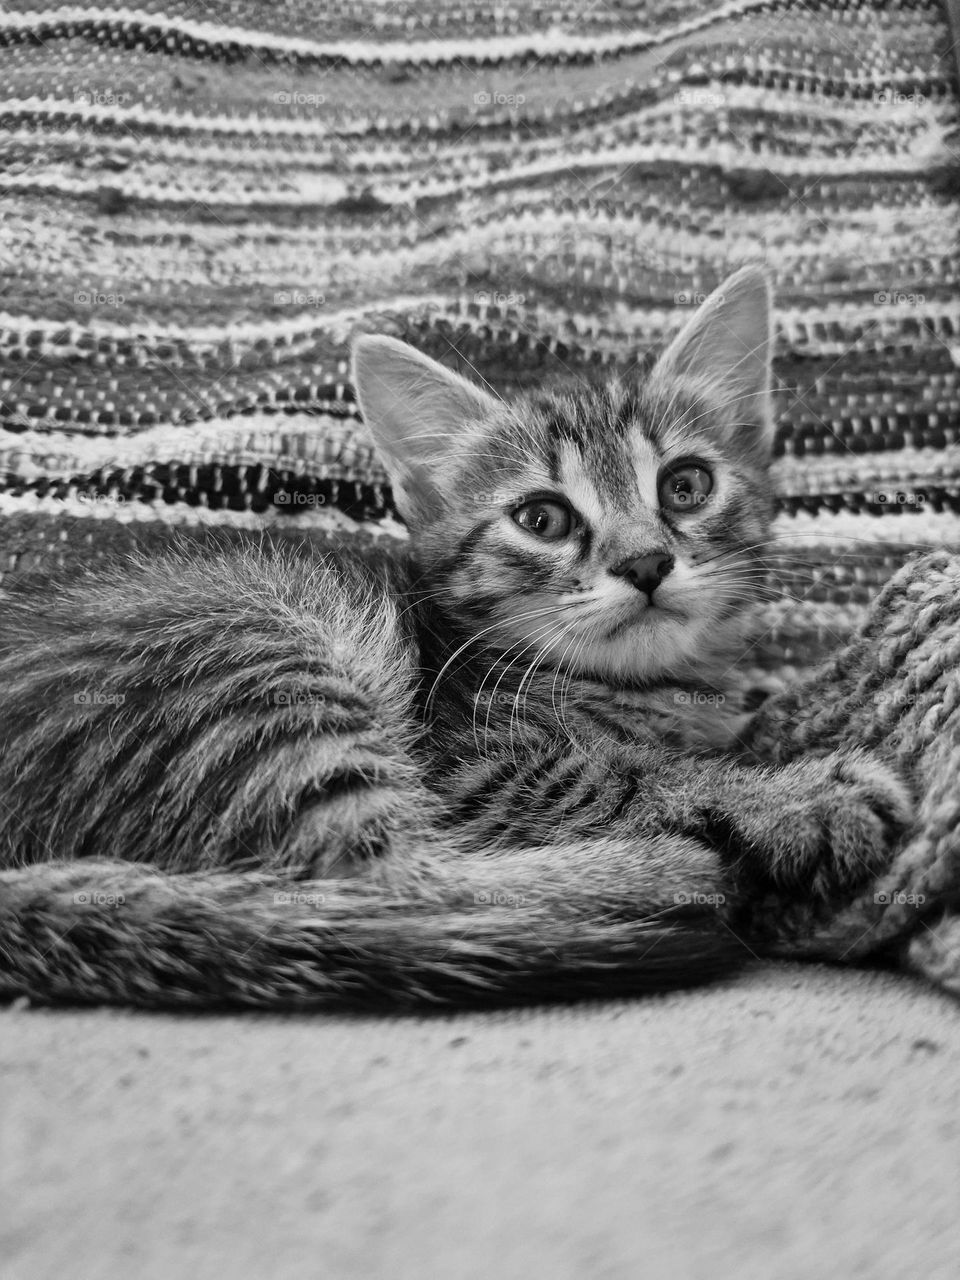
x=416, y=411
x=729, y=343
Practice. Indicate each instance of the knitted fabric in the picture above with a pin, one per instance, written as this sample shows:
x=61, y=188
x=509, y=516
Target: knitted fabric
x=895, y=688
x=199, y=208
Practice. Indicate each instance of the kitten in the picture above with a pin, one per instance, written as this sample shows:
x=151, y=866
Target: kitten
x=501, y=765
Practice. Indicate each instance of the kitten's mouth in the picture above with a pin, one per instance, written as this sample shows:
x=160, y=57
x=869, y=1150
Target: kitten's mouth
x=650, y=615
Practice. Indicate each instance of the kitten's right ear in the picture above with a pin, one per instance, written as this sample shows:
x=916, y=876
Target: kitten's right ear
x=416, y=411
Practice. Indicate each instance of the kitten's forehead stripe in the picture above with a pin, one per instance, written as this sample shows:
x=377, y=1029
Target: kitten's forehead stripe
x=627, y=413
x=614, y=471
x=645, y=460
x=565, y=423
x=583, y=488
x=582, y=426
x=552, y=458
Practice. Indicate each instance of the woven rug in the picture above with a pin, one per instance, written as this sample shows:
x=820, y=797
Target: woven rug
x=200, y=203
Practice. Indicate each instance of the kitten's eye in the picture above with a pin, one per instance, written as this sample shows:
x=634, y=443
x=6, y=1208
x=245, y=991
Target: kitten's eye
x=685, y=487
x=545, y=518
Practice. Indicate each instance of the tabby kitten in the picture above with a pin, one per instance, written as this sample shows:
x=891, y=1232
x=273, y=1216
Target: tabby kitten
x=501, y=765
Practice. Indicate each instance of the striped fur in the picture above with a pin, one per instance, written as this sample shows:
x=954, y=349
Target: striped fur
x=272, y=778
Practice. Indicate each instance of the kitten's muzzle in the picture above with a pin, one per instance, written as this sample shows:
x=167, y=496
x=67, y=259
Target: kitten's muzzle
x=645, y=572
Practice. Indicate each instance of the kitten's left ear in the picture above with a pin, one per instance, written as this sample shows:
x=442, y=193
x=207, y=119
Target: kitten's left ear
x=416, y=411
x=728, y=343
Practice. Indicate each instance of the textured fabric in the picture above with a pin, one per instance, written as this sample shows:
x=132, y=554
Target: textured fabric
x=894, y=688
x=200, y=206
x=796, y=1123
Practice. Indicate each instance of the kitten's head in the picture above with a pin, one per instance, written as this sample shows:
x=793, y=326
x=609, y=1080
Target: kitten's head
x=612, y=531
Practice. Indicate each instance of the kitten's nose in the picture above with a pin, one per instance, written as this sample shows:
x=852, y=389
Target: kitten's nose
x=645, y=572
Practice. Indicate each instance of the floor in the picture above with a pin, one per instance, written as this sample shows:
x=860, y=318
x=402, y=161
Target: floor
x=795, y=1122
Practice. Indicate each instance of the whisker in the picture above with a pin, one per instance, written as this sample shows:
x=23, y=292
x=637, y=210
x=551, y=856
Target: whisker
x=515, y=712
x=527, y=643
x=474, y=639
x=566, y=684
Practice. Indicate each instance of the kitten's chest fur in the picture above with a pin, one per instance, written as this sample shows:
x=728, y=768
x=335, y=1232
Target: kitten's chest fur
x=587, y=714
x=684, y=717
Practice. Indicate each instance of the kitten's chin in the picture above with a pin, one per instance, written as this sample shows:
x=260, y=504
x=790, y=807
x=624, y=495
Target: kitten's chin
x=661, y=646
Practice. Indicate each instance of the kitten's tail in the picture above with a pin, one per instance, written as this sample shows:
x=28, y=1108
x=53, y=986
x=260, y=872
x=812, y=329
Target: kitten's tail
x=532, y=925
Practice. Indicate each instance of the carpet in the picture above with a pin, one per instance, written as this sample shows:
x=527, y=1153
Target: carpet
x=801, y=1121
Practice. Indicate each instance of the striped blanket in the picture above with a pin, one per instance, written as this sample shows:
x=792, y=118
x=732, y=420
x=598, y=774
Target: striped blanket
x=201, y=203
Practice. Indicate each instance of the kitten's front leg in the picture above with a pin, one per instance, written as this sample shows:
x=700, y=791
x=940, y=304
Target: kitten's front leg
x=823, y=826
x=820, y=827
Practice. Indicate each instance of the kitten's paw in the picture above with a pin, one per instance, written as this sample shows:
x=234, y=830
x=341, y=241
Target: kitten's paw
x=856, y=809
